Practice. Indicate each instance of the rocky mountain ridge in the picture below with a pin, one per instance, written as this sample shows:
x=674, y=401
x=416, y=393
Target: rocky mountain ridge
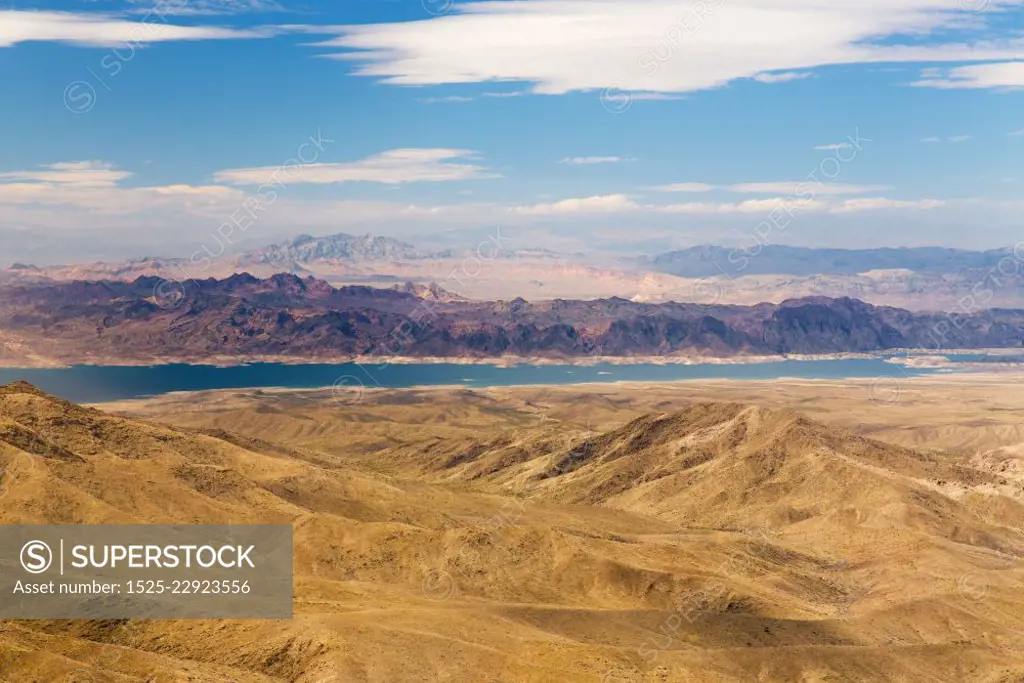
x=285, y=315
x=305, y=249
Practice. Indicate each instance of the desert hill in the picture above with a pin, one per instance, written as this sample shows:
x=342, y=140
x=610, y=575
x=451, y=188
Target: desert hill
x=722, y=542
x=715, y=464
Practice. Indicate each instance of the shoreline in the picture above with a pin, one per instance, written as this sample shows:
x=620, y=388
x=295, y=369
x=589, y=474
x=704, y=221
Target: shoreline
x=500, y=361
x=330, y=393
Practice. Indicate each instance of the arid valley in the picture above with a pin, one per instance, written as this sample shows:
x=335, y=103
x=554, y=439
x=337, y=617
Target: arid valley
x=714, y=531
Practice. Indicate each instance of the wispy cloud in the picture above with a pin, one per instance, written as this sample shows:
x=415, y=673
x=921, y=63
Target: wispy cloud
x=587, y=161
x=789, y=188
x=791, y=205
x=624, y=204
x=1016, y=133
x=449, y=98
x=783, y=77
x=202, y=7
x=877, y=203
x=96, y=186
x=102, y=30
x=686, y=187
x=934, y=139
x=72, y=173
x=750, y=206
x=1000, y=75
x=834, y=146
x=613, y=203
x=804, y=186
x=391, y=168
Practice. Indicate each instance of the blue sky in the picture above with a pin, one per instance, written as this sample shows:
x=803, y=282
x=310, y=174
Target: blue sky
x=633, y=125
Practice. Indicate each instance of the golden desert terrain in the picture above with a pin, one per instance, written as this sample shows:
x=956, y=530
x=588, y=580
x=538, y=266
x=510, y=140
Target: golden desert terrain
x=803, y=531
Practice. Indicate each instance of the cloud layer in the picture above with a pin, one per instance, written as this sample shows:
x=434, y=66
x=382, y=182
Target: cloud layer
x=590, y=161
x=392, y=168
x=664, y=46
x=785, y=187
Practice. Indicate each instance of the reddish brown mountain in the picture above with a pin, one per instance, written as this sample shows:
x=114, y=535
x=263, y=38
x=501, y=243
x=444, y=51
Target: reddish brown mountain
x=289, y=316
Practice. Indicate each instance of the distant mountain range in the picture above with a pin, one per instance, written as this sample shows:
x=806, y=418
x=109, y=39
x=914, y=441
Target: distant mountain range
x=306, y=249
x=243, y=316
x=292, y=255
x=712, y=261
x=920, y=279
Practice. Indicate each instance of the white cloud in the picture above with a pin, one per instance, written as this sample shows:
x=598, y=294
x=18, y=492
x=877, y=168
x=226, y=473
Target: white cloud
x=686, y=187
x=171, y=8
x=755, y=206
x=783, y=77
x=560, y=46
x=95, y=186
x=791, y=187
x=613, y=203
x=118, y=201
x=797, y=205
x=834, y=146
x=1016, y=133
x=953, y=138
x=875, y=203
x=191, y=190
x=620, y=203
x=392, y=168
x=996, y=75
x=76, y=173
x=803, y=187
x=449, y=98
x=587, y=161
x=17, y=26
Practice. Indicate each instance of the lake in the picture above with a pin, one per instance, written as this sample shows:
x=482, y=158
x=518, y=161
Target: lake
x=95, y=384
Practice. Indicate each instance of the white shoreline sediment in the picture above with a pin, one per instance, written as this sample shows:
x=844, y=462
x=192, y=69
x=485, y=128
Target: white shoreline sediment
x=499, y=361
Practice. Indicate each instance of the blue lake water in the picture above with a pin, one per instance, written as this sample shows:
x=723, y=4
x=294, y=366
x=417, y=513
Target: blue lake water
x=94, y=384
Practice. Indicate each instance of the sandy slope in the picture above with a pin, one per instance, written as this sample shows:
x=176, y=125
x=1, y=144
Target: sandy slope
x=467, y=537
